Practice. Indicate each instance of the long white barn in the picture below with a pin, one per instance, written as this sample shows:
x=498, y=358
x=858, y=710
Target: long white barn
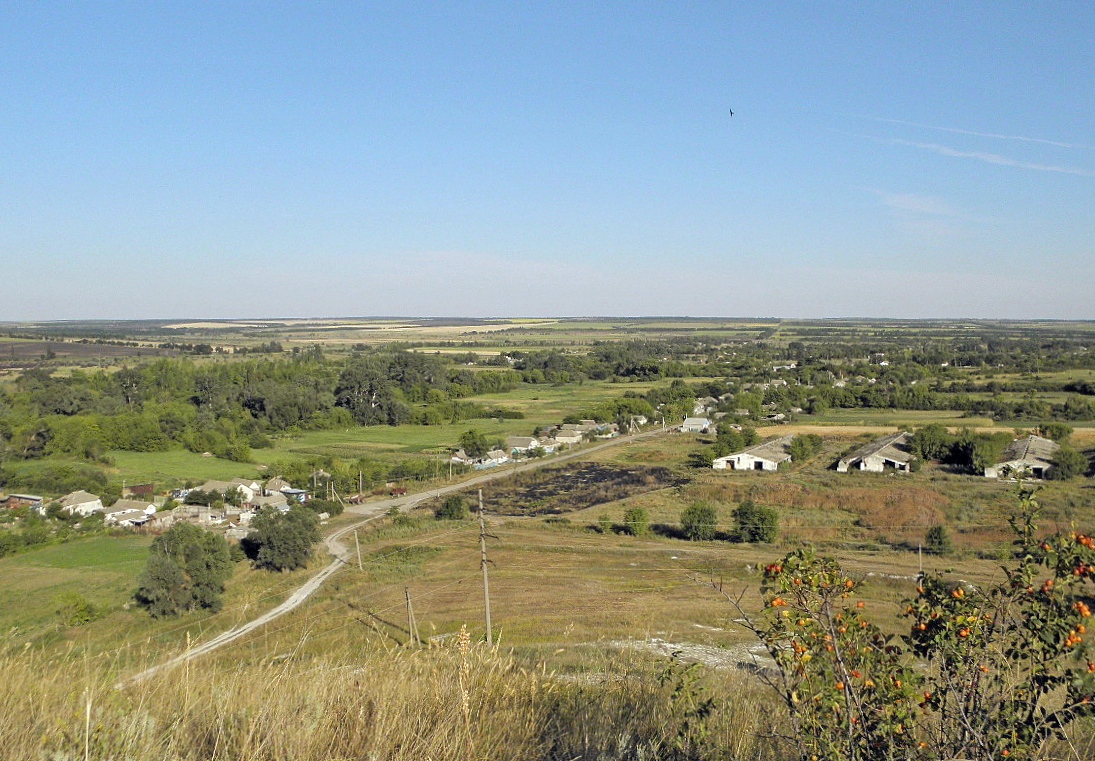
x=765, y=456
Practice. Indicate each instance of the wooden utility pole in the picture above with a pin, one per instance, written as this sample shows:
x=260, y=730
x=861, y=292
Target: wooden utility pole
x=358, y=545
x=483, y=553
x=412, y=625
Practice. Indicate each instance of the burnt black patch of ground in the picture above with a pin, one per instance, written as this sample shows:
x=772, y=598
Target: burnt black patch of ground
x=553, y=491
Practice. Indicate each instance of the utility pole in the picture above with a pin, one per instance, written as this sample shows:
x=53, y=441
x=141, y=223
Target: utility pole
x=358, y=545
x=483, y=553
x=412, y=625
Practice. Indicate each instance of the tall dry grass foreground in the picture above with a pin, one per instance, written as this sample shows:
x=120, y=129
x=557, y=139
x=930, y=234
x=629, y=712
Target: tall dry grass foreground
x=458, y=702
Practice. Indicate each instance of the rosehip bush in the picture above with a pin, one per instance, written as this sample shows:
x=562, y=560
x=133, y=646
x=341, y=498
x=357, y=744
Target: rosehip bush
x=996, y=672
x=850, y=691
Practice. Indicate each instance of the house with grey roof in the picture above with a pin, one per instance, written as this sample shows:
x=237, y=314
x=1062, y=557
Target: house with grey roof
x=888, y=452
x=767, y=455
x=1032, y=456
x=696, y=425
x=81, y=503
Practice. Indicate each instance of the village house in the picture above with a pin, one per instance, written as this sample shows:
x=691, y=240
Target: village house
x=889, y=452
x=521, y=444
x=568, y=437
x=277, y=500
x=765, y=456
x=460, y=457
x=493, y=459
x=275, y=485
x=81, y=503
x=129, y=512
x=1032, y=456
x=696, y=425
x=246, y=489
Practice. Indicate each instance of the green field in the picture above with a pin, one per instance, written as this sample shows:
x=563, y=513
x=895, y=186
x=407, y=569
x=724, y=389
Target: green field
x=164, y=468
x=101, y=570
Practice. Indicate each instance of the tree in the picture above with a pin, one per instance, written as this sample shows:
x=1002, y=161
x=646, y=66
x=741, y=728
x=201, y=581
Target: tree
x=282, y=541
x=1059, y=432
x=756, y=523
x=637, y=521
x=474, y=444
x=698, y=521
x=186, y=570
x=1067, y=464
x=937, y=541
x=804, y=447
x=454, y=508
x=932, y=442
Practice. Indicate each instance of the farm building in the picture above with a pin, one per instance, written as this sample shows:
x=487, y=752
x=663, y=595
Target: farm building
x=13, y=501
x=1034, y=455
x=887, y=452
x=765, y=456
x=696, y=425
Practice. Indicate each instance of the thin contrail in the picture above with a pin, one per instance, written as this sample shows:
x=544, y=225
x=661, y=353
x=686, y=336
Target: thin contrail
x=988, y=158
x=993, y=135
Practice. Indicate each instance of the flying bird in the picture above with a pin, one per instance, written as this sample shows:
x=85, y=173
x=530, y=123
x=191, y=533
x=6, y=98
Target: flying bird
x=731, y=112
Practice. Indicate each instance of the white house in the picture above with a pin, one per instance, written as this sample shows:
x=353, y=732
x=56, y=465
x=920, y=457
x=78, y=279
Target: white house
x=765, y=456
x=127, y=518
x=246, y=490
x=81, y=503
x=569, y=437
x=887, y=452
x=696, y=425
x=492, y=459
x=1032, y=455
x=520, y=445
x=129, y=512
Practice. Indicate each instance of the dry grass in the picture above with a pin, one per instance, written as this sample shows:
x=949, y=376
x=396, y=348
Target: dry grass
x=457, y=702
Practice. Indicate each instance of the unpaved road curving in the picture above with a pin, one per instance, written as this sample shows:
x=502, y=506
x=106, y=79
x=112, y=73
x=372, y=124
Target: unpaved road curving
x=340, y=552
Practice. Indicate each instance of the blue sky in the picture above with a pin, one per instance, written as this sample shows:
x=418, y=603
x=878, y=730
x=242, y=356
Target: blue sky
x=547, y=159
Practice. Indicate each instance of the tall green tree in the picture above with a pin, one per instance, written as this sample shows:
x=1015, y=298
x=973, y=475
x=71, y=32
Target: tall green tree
x=186, y=571
x=282, y=541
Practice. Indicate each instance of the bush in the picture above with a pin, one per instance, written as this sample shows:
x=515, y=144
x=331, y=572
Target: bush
x=992, y=672
x=454, y=508
x=1067, y=464
x=937, y=541
x=755, y=523
x=699, y=520
x=637, y=521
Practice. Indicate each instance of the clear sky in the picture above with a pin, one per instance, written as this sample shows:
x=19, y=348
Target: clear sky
x=887, y=159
